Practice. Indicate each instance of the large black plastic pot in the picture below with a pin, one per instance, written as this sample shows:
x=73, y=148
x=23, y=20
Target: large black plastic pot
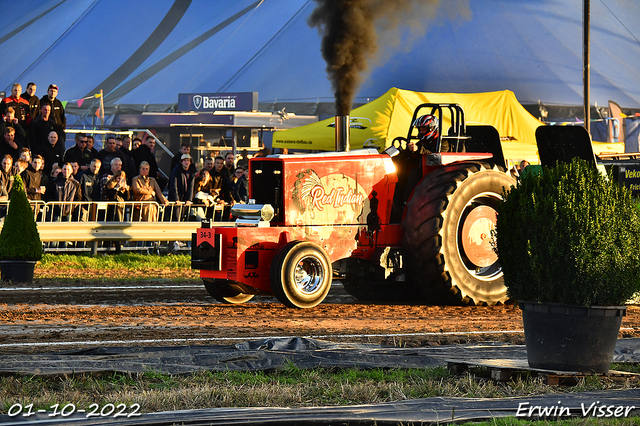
x=571, y=338
x=17, y=271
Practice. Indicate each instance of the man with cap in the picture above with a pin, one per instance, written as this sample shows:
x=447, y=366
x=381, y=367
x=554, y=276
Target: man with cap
x=57, y=110
x=181, y=186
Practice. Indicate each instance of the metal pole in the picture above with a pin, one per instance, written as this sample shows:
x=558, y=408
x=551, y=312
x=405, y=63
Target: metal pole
x=101, y=107
x=586, y=70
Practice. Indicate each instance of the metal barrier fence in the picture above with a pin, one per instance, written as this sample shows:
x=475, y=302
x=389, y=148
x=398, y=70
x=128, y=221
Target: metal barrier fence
x=67, y=226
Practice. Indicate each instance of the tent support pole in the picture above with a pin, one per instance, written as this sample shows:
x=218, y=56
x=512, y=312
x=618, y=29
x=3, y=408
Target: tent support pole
x=586, y=70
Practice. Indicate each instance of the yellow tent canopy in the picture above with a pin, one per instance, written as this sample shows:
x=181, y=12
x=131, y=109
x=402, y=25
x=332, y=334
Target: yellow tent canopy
x=377, y=123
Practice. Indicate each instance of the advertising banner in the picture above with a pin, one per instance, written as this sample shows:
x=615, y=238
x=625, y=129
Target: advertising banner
x=209, y=102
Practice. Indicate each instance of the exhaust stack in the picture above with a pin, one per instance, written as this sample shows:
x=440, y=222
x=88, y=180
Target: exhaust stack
x=343, y=142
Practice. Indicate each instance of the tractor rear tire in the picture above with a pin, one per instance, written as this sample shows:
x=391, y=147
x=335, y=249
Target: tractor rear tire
x=301, y=274
x=224, y=293
x=448, y=226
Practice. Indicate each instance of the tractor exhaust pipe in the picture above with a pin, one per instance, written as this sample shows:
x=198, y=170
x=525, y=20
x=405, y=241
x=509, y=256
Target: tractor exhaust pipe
x=343, y=142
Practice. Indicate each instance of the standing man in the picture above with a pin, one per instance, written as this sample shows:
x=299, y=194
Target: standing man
x=221, y=183
x=32, y=178
x=90, y=148
x=145, y=153
x=41, y=126
x=207, y=165
x=125, y=148
x=185, y=148
x=6, y=180
x=230, y=164
x=111, y=186
x=181, y=187
x=20, y=105
x=9, y=145
x=89, y=187
x=52, y=153
x=89, y=183
x=34, y=101
x=65, y=188
x=57, y=110
x=109, y=153
x=79, y=152
x=10, y=120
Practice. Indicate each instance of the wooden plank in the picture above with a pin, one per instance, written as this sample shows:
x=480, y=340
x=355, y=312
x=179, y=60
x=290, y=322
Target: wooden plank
x=505, y=369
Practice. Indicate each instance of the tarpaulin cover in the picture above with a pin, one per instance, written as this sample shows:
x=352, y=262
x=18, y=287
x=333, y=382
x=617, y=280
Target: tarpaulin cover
x=268, y=354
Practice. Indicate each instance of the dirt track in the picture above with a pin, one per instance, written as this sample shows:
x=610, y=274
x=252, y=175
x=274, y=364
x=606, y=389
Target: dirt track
x=98, y=311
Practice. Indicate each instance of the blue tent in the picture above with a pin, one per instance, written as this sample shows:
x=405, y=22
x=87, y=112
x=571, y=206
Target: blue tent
x=146, y=52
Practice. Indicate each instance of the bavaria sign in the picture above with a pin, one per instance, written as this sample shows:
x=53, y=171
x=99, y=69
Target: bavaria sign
x=209, y=102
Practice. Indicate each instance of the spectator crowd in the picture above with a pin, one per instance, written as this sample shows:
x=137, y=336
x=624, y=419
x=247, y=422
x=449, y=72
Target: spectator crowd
x=33, y=146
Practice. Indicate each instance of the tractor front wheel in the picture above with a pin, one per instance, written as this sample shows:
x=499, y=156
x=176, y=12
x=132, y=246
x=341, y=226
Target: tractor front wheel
x=301, y=274
x=225, y=293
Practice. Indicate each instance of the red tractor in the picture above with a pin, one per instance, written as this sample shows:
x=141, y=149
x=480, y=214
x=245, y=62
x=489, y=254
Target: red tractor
x=397, y=226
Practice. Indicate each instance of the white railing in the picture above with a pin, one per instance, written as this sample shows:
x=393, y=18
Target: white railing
x=129, y=221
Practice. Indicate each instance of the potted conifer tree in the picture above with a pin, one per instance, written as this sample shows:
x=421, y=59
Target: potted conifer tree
x=567, y=240
x=20, y=245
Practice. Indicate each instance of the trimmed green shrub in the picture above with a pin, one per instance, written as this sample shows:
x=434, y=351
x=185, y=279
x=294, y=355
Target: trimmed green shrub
x=569, y=235
x=19, y=239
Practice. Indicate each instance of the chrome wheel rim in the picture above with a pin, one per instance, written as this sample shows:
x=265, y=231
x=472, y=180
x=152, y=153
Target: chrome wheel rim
x=309, y=274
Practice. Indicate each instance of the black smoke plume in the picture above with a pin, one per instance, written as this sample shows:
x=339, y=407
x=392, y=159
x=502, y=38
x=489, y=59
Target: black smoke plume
x=352, y=31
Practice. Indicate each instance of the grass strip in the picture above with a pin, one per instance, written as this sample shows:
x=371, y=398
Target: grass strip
x=288, y=387
x=127, y=261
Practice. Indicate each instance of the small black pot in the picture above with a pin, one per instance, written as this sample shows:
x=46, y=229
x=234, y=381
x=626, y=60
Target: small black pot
x=571, y=338
x=17, y=271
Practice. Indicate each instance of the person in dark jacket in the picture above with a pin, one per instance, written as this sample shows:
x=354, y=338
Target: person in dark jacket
x=9, y=120
x=181, y=187
x=66, y=188
x=52, y=153
x=110, y=152
x=125, y=148
x=90, y=182
x=9, y=145
x=57, y=109
x=79, y=152
x=145, y=153
x=19, y=105
x=221, y=184
x=41, y=126
x=240, y=186
x=90, y=148
x=185, y=148
x=229, y=164
x=6, y=176
x=34, y=102
x=32, y=178
x=6, y=180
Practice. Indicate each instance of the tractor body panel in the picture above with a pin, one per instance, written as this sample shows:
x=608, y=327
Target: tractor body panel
x=340, y=201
